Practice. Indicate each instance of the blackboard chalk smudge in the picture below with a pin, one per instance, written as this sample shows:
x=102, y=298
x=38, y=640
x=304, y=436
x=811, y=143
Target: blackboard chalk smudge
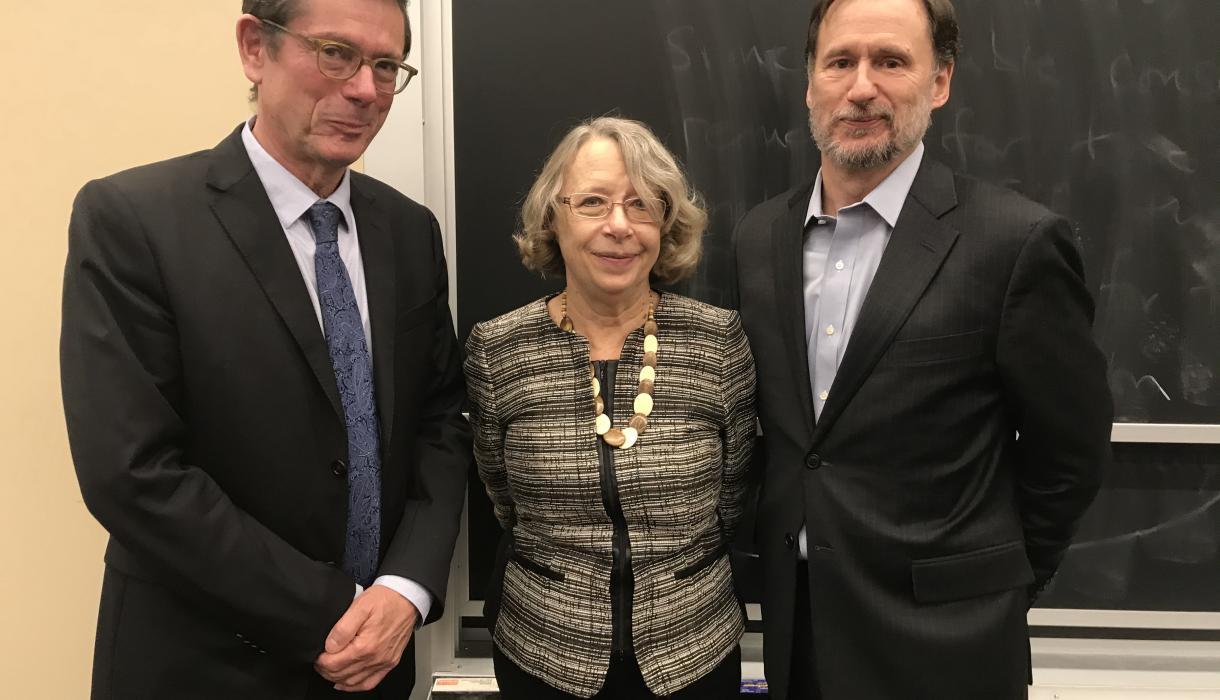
x=1170, y=152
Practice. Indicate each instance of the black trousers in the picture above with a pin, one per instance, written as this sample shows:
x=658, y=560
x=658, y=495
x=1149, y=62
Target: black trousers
x=623, y=682
x=802, y=681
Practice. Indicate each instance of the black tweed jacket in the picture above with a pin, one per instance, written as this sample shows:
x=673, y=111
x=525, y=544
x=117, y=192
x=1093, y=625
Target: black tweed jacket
x=680, y=489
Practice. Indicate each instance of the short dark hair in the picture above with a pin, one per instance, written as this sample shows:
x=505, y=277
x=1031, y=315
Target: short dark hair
x=284, y=11
x=942, y=23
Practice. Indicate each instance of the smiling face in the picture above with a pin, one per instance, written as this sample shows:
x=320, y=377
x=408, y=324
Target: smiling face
x=609, y=258
x=873, y=83
x=313, y=125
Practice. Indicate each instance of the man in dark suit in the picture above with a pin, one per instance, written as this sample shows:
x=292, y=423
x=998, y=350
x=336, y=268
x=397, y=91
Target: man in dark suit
x=934, y=411
x=263, y=387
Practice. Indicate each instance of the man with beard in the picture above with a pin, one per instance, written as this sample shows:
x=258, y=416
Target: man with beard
x=934, y=411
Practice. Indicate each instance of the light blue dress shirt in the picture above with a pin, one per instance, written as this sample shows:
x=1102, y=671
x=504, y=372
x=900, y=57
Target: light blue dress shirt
x=291, y=198
x=841, y=255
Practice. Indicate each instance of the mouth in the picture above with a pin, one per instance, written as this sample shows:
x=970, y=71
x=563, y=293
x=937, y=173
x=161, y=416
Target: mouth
x=349, y=128
x=861, y=123
x=616, y=259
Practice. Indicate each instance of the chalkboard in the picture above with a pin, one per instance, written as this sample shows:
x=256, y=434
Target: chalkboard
x=1151, y=541
x=1107, y=111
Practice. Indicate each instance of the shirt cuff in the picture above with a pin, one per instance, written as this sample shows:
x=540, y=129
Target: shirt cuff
x=412, y=591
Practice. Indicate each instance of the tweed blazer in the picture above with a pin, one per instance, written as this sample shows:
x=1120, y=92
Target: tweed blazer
x=680, y=487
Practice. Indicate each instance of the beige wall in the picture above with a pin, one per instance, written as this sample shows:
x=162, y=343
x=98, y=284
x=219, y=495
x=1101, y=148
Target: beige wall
x=92, y=87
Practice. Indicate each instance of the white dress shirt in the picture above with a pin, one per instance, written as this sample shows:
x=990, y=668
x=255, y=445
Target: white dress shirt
x=291, y=198
x=841, y=256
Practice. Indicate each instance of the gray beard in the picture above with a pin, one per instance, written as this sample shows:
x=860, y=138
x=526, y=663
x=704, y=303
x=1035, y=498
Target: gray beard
x=872, y=157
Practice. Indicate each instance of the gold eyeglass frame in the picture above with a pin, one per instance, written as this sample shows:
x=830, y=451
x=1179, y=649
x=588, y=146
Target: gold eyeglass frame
x=319, y=44
x=652, y=206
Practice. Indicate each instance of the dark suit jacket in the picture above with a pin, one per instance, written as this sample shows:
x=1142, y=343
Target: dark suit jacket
x=208, y=435
x=928, y=516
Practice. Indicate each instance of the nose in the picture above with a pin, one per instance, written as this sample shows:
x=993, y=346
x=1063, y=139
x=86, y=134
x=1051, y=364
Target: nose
x=360, y=86
x=617, y=223
x=863, y=88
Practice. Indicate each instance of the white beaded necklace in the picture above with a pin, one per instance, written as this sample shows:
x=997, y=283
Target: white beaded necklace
x=626, y=437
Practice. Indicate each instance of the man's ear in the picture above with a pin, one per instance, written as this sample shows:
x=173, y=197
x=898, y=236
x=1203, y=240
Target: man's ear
x=252, y=47
x=940, y=85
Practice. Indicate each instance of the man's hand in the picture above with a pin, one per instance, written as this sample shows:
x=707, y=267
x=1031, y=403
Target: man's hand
x=368, y=641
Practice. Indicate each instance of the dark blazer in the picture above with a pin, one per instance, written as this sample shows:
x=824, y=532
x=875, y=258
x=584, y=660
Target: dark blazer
x=964, y=435
x=679, y=490
x=208, y=436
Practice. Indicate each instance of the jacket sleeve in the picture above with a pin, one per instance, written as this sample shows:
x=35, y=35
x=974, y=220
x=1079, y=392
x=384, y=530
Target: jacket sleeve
x=488, y=430
x=422, y=547
x=737, y=382
x=122, y=383
x=1054, y=379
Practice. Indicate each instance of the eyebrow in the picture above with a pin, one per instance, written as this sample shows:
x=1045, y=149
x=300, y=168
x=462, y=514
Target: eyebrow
x=883, y=50
x=896, y=51
x=330, y=36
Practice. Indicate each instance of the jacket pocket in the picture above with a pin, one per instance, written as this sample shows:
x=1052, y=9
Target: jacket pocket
x=968, y=574
x=534, y=567
x=705, y=562
x=941, y=348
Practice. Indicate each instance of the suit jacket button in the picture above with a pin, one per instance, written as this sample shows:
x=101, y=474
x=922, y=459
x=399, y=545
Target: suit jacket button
x=813, y=460
x=338, y=468
x=789, y=540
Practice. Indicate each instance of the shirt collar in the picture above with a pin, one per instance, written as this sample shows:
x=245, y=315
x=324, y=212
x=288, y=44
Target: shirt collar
x=291, y=198
x=886, y=199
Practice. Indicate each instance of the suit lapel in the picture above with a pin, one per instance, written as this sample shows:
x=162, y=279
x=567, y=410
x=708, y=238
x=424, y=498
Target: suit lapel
x=245, y=213
x=916, y=250
x=377, y=254
x=787, y=242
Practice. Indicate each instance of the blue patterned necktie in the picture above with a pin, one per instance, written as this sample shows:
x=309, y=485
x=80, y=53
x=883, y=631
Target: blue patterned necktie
x=349, y=356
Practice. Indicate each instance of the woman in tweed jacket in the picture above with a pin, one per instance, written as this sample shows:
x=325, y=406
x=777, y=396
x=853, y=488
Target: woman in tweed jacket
x=613, y=427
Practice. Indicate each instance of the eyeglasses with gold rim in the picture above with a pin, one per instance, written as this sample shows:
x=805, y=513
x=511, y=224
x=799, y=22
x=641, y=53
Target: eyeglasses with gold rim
x=340, y=61
x=590, y=205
